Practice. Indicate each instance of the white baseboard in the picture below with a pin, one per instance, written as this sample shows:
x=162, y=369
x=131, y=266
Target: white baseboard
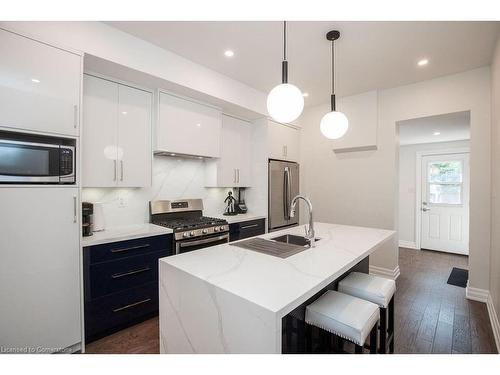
x=476, y=294
x=385, y=272
x=408, y=244
x=495, y=325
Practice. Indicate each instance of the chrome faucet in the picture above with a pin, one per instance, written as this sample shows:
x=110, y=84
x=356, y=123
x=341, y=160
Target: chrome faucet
x=309, y=231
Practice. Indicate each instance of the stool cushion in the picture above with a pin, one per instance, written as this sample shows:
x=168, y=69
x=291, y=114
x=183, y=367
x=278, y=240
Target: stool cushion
x=371, y=288
x=343, y=315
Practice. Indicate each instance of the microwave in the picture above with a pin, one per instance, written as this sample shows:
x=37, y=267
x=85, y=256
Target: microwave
x=23, y=161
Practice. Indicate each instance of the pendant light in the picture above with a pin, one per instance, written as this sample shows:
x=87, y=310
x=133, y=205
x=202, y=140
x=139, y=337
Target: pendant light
x=285, y=101
x=334, y=124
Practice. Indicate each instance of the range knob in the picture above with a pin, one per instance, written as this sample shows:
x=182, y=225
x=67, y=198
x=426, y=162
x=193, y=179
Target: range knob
x=216, y=229
x=185, y=234
x=192, y=233
x=221, y=227
x=204, y=231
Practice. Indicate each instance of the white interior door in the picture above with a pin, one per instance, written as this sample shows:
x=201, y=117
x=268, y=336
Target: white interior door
x=445, y=203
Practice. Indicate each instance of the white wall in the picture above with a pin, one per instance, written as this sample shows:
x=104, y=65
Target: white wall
x=495, y=203
x=362, y=187
x=173, y=178
x=407, y=184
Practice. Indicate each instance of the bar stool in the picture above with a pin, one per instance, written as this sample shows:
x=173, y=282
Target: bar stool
x=380, y=291
x=345, y=317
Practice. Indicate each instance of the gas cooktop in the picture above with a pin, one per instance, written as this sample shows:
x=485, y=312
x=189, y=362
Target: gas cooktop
x=186, y=219
x=190, y=223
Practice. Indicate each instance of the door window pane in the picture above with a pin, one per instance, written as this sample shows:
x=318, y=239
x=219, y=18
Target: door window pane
x=445, y=172
x=445, y=182
x=445, y=194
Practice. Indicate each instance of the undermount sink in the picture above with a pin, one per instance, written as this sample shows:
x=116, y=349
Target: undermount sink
x=294, y=240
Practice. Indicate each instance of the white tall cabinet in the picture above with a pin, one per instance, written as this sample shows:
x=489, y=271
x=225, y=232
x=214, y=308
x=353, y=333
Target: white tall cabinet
x=39, y=268
x=233, y=168
x=116, y=134
x=283, y=142
x=39, y=86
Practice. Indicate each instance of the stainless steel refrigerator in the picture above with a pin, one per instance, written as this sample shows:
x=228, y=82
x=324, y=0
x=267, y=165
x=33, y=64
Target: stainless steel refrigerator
x=283, y=186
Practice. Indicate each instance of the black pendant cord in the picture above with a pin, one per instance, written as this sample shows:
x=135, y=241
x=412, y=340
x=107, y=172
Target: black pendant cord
x=332, y=98
x=284, y=64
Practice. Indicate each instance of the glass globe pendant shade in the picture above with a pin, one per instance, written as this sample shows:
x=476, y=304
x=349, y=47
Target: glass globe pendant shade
x=285, y=102
x=334, y=125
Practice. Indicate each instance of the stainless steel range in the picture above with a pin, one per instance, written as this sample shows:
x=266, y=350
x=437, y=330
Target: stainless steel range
x=192, y=230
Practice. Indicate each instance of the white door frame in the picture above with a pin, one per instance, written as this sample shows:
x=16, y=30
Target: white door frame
x=418, y=187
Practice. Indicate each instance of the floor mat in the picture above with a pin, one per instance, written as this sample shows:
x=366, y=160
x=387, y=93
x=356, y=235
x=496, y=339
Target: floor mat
x=458, y=277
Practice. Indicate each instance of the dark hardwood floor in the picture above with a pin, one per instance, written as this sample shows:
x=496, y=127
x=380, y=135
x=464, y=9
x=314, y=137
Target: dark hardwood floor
x=431, y=315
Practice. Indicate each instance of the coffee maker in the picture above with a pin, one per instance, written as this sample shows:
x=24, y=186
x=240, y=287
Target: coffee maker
x=241, y=207
x=87, y=219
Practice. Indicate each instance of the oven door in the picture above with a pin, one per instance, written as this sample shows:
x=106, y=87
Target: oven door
x=189, y=245
x=25, y=162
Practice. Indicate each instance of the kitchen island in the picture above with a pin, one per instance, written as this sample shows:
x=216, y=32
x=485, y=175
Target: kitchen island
x=227, y=299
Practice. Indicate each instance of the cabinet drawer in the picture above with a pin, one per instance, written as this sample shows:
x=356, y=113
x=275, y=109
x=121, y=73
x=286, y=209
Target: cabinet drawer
x=110, y=277
x=245, y=229
x=115, y=311
x=138, y=246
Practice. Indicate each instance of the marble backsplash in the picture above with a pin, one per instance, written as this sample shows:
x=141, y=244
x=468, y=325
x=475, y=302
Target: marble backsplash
x=173, y=178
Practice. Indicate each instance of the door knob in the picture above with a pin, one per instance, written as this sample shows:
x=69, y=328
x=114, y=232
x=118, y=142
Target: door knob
x=425, y=209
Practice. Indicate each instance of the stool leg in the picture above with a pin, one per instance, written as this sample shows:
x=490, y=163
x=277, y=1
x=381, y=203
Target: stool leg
x=383, y=330
x=391, y=325
x=301, y=336
x=288, y=333
x=373, y=340
x=308, y=338
x=358, y=349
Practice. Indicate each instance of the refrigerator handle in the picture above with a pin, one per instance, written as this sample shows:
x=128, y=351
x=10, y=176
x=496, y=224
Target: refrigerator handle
x=286, y=194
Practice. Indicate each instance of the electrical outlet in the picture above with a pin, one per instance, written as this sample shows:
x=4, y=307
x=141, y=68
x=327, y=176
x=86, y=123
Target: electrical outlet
x=122, y=202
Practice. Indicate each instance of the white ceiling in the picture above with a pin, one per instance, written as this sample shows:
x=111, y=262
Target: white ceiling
x=451, y=126
x=370, y=55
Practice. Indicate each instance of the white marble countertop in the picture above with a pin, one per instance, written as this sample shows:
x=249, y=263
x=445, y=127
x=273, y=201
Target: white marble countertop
x=279, y=285
x=122, y=233
x=239, y=218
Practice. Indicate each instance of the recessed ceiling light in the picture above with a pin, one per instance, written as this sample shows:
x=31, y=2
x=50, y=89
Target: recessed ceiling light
x=228, y=53
x=423, y=62
x=436, y=133
x=305, y=94
x=198, y=125
x=172, y=154
x=35, y=80
x=124, y=113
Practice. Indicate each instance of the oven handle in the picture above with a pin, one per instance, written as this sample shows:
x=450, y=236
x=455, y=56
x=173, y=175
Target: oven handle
x=201, y=242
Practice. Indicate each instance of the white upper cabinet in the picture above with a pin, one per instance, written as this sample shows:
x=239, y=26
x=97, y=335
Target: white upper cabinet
x=116, y=135
x=39, y=86
x=134, y=137
x=233, y=168
x=186, y=127
x=283, y=142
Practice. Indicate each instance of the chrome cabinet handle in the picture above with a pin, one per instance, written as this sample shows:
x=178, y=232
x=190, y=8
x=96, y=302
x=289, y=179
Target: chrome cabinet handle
x=74, y=209
x=234, y=175
x=75, y=116
x=131, y=305
x=114, y=169
x=238, y=175
x=121, y=170
x=129, y=248
x=250, y=226
x=133, y=272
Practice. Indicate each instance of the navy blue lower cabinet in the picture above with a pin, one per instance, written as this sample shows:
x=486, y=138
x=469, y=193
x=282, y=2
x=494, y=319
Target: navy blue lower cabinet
x=111, y=313
x=121, y=283
x=246, y=229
